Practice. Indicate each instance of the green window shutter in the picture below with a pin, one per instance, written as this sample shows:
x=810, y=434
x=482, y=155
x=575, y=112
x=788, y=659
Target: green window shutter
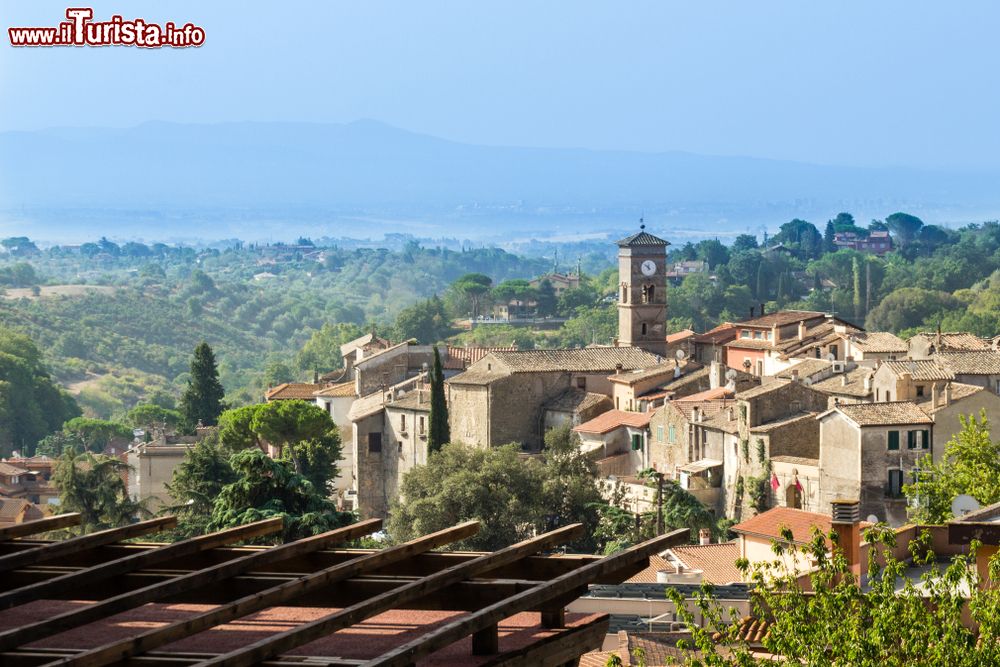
x=659, y=433
x=893, y=439
x=672, y=434
x=911, y=439
x=926, y=441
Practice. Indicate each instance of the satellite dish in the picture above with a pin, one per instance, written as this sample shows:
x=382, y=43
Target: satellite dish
x=679, y=354
x=963, y=504
x=731, y=374
x=831, y=357
x=872, y=518
x=807, y=382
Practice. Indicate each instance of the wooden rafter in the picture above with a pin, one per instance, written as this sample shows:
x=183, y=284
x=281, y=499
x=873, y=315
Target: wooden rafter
x=56, y=522
x=305, y=633
x=277, y=595
x=84, y=543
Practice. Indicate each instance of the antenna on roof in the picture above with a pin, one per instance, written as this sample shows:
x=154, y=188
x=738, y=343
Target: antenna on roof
x=642, y=221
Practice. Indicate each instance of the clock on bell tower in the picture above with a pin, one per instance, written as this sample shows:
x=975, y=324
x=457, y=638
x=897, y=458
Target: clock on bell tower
x=642, y=294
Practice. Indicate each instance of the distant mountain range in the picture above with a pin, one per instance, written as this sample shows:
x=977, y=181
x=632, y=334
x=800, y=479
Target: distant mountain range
x=256, y=180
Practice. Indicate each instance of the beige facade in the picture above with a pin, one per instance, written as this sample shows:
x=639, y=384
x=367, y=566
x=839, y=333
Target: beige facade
x=152, y=467
x=642, y=294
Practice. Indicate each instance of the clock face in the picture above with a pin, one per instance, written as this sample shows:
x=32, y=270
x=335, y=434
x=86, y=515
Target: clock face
x=648, y=267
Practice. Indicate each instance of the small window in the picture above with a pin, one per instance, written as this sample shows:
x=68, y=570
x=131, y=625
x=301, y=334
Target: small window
x=893, y=440
x=744, y=333
x=920, y=390
x=374, y=443
x=636, y=442
x=581, y=383
x=402, y=423
x=643, y=328
x=671, y=434
x=911, y=439
x=420, y=425
x=659, y=433
x=925, y=439
x=894, y=488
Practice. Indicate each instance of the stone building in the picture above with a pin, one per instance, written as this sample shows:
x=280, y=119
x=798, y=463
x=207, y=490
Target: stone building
x=501, y=398
x=642, y=294
x=948, y=406
x=868, y=451
x=911, y=380
x=770, y=343
x=152, y=466
x=573, y=407
x=926, y=345
x=874, y=346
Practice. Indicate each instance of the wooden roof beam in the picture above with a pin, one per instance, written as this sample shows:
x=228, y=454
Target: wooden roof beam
x=53, y=550
x=344, y=618
x=207, y=577
x=121, y=650
x=411, y=652
x=39, y=526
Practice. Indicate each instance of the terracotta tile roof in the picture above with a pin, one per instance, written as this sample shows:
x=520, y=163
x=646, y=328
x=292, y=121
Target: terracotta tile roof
x=471, y=355
x=920, y=369
x=769, y=524
x=878, y=341
x=855, y=383
x=418, y=400
x=708, y=395
x=982, y=362
x=957, y=340
x=782, y=318
x=8, y=470
x=292, y=390
x=684, y=334
x=763, y=389
x=776, y=424
x=664, y=370
x=643, y=238
x=584, y=360
x=750, y=344
x=342, y=390
x=364, y=341
x=12, y=509
x=716, y=561
x=660, y=648
x=959, y=391
x=613, y=419
x=720, y=334
x=577, y=400
x=805, y=369
x=896, y=413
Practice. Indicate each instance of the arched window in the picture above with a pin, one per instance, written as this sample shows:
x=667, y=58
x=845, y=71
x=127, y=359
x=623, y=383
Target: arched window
x=647, y=293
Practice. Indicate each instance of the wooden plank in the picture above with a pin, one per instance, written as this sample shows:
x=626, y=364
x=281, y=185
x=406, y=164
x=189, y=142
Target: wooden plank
x=115, y=568
x=414, y=650
x=207, y=577
x=40, y=526
x=117, y=651
x=307, y=632
x=39, y=657
x=559, y=649
x=76, y=545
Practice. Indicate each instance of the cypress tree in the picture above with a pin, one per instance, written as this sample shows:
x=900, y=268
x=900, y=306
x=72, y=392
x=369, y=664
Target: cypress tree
x=762, y=281
x=202, y=400
x=857, y=290
x=440, y=433
x=828, y=234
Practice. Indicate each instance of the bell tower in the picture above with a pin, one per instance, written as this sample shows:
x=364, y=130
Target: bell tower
x=642, y=292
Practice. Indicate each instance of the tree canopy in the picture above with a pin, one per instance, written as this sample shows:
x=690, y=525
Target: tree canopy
x=93, y=485
x=202, y=400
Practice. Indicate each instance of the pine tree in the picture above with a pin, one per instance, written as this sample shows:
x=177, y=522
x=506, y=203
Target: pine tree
x=440, y=433
x=202, y=400
x=828, y=234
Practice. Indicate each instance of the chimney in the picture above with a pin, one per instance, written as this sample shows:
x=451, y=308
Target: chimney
x=868, y=383
x=795, y=375
x=715, y=375
x=934, y=395
x=775, y=334
x=618, y=369
x=843, y=380
x=704, y=536
x=947, y=394
x=315, y=377
x=802, y=329
x=847, y=526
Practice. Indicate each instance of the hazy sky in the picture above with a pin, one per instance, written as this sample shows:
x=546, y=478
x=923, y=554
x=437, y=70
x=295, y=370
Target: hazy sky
x=852, y=82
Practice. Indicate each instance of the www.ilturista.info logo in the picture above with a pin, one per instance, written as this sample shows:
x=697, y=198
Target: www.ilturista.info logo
x=81, y=30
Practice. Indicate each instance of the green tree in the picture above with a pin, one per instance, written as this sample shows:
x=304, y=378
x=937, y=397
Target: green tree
x=459, y=483
x=910, y=307
x=570, y=491
x=202, y=400
x=744, y=243
x=322, y=351
x=265, y=488
x=277, y=372
x=712, y=252
x=970, y=465
x=904, y=226
x=93, y=485
x=546, y=298
x=148, y=416
x=97, y=434
x=440, y=431
x=31, y=405
x=426, y=321
x=829, y=233
x=472, y=288
x=196, y=483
